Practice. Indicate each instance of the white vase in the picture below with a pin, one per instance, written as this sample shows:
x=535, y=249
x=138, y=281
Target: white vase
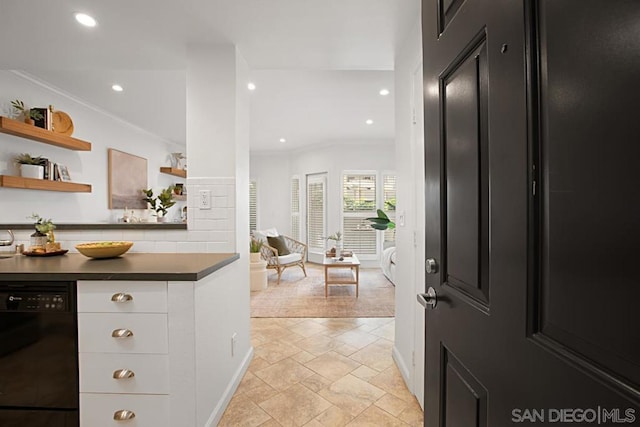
x=254, y=256
x=32, y=171
x=161, y=218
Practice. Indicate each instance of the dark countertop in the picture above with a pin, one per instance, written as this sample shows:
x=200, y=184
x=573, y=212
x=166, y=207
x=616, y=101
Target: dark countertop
x=130, y=266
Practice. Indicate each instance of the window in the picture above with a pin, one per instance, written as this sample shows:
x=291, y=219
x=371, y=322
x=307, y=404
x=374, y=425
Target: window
x=389, y=199
x=316, y=214
x=295, y=208
x=358, y=204
x=253, y=202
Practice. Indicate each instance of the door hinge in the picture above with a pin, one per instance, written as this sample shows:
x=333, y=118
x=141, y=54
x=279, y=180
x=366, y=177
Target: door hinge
x=413, y=358
x=533, y=187
x=413, y=113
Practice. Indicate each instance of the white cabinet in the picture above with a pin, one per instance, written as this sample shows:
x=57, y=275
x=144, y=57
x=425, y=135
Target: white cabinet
x=99, y=410
x=123, y=353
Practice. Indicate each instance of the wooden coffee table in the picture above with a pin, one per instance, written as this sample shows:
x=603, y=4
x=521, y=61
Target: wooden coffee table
x=351, y=278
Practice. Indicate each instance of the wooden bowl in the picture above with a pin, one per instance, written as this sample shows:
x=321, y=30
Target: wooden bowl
x=103, y=249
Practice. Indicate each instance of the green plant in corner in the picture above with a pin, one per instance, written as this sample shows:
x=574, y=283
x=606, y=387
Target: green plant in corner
x=255, y=245
x=336, y=237
x=19, y=109
x=381, y=222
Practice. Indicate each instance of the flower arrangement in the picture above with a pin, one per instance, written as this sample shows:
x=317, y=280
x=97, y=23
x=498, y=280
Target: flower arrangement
x=162, y=203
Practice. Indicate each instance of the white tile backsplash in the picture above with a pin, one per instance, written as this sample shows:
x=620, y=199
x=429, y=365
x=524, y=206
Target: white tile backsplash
x=209, y=230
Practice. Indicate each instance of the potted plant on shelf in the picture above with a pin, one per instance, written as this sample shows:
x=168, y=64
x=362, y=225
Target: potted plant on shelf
x=254, y=249
x=382, y=221
x=28, y=115
x=30, y=167
x=160, y=204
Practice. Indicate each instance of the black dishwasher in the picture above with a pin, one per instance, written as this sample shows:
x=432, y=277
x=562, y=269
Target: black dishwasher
x=38, y=355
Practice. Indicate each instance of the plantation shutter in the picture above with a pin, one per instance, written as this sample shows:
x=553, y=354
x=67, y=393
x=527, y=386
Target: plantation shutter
x=389, y=199
x=253, y=202
x=359, y=203
x=295, y=208
x=316, y=221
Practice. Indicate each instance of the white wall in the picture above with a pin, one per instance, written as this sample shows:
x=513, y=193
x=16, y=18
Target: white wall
x=274, y=181
x=102, y=130
x=272, y=173
x=410, y=196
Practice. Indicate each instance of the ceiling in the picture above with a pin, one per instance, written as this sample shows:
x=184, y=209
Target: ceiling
x=318, y=65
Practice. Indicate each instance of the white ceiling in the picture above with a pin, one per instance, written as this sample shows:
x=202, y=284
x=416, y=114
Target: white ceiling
x=318, y=64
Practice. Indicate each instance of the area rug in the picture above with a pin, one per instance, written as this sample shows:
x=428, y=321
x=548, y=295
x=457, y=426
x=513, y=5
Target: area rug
x=299, y=296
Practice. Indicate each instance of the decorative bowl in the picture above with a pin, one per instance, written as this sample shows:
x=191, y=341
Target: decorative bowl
x=103, y=249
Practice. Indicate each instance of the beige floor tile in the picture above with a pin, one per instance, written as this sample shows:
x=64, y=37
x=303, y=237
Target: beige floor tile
x=318, y=344
x=364, y=373
x=275, y=351
x=413, y=415
x=303, y=357
x=332, y=365
x=313, y=423
x=376, y=355
x=387, y=331
x=390, y=380
x=284, y=374
x=374, y=416
x=249, y=382
x=352, y=394
x=307, y=328
x=316, y=383
x=271, y=423
x=346, y=350
x=261, y=393
x=357, y=338
x=392, y=404
x=371, y=323
x=334, y=417
x=258, y=363
x=295, y=406
x=242, y=412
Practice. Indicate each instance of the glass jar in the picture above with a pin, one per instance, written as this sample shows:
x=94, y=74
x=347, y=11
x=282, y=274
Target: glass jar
x=37, y=241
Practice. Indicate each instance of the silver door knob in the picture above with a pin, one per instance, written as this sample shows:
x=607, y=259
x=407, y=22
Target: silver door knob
x=428, y=299
x=431, y=266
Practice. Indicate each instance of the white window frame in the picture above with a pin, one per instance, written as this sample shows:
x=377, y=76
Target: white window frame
x=363, y=214
x=255, y=184
x=295, y=215
x=316, y=253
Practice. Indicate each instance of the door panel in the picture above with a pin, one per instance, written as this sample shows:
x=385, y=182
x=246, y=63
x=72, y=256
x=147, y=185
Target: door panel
x=531, y=145
x=590, y=173
x=464, y=109
x=316, y=216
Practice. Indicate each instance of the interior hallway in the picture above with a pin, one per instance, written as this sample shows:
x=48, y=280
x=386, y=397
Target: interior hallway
x=322, y=372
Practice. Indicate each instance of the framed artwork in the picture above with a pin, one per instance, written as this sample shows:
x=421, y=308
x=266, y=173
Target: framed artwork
x=127, y=176
x=63, y=173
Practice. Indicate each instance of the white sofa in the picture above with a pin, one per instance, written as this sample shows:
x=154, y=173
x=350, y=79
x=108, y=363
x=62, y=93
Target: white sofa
x=388, y=263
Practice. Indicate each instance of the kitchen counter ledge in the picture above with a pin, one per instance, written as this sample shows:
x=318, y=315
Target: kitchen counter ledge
x=130, y=266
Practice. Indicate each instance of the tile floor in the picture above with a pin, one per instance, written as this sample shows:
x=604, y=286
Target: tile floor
x=322, y=372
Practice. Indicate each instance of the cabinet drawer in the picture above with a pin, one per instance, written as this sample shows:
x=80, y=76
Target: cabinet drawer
x=122, y=297
x=148, y=333
x=97, y=410
x=135, y=373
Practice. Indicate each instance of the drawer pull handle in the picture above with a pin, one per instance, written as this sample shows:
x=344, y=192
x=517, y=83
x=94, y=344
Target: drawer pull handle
x=121, y=297
x=123, y=415
x=121, y=333
x=122, y=374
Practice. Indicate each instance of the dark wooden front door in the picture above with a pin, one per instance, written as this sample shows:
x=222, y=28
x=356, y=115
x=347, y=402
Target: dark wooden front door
x=532, y=154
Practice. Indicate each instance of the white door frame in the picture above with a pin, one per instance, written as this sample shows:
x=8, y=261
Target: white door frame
x=316, y=254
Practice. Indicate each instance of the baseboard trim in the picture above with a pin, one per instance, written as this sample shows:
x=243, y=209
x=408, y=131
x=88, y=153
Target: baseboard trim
x=218, y=411
x=404, y=370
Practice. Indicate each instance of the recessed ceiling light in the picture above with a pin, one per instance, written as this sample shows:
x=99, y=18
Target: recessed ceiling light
x=384, y=92
x=117, y=88
x=369, y=122
x=283, y=140
x=251, y=86
x=86, y=20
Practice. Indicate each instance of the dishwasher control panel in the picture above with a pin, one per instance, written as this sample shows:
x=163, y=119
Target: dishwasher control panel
x=28, y=301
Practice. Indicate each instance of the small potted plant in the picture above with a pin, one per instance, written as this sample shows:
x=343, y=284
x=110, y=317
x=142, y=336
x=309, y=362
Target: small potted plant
x=43, y=240
x=160, y=204
x=254, y=248
x=337, y=238
x=27, y=114
x=30, y=167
